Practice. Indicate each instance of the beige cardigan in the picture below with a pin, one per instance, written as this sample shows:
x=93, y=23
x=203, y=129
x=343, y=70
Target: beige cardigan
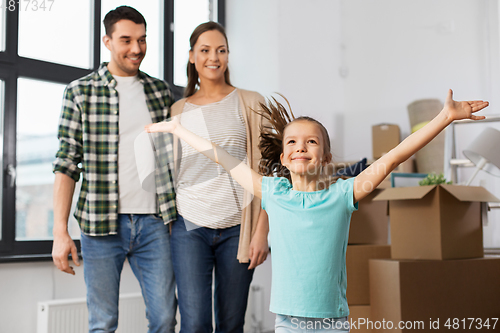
x=249, y=216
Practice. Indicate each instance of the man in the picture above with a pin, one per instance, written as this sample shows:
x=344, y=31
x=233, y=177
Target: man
x=102, y=114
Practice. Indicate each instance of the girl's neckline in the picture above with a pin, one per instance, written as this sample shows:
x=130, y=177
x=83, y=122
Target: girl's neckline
x=306, y=192
x=219, y=101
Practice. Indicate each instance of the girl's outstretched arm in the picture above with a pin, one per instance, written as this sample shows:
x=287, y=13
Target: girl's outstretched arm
x=371, y=177
x=242, y=173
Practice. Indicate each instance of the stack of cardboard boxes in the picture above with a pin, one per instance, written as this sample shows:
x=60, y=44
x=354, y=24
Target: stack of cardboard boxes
x=434, y=276
x=437, y=278
x=368, y=236
x=368, y=239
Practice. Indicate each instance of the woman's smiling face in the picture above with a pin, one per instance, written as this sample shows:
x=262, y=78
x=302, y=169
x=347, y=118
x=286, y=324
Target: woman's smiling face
x=210, y=55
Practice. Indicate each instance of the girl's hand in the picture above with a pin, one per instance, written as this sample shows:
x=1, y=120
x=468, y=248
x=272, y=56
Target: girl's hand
x=462, y=110
x=164, y=126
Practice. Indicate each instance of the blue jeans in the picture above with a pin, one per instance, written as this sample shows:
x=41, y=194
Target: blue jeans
x=145, y=241
x=195, y=254
x=293, y=324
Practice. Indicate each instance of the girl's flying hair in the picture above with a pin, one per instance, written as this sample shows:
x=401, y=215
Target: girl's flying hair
x=271, y=136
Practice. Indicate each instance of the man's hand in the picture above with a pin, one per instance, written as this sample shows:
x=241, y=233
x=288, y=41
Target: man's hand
x=62, y=246
x=64, y=186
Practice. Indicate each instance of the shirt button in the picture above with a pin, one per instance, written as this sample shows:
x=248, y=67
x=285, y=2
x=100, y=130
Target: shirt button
x=114, y=181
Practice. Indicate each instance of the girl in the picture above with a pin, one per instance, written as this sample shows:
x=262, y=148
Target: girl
x=309, y=220
x=214, y=230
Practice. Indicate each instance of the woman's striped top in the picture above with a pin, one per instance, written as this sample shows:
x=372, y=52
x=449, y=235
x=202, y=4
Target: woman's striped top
x=206, y=195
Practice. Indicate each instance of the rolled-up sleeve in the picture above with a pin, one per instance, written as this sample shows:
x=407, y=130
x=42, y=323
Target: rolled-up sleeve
x=69, y=134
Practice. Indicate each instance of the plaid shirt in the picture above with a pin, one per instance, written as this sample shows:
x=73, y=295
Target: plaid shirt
x=88, y=137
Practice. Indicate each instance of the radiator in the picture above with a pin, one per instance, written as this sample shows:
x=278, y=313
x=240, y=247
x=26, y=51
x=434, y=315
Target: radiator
x=71, y=316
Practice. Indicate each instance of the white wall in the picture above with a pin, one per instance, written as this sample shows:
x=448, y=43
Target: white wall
x=290, y=47
x=354, y=63
x=400, y=51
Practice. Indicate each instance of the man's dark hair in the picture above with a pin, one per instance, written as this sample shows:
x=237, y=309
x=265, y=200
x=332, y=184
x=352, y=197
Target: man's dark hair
x=122, y=13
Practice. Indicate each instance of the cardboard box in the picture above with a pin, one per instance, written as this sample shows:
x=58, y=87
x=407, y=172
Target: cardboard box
x=384, y=138
x=369, y=224
x=359, y=315
x=421, y=292
x=357, y=257
x=436, y=222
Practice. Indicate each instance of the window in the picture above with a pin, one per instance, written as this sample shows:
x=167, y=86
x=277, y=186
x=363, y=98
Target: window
x=41, y=36
x=2, y=31
x=186, y=20
x=37, y=60
x=37, y=145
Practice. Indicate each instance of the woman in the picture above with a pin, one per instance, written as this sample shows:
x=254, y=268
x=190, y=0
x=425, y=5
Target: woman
x=219, y=227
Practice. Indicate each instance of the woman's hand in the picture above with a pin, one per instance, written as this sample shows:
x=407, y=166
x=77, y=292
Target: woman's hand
x=462, y=110
x=164, y=126
x=259, y=249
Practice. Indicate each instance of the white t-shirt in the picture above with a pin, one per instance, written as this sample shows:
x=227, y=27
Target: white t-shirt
x=133, y=116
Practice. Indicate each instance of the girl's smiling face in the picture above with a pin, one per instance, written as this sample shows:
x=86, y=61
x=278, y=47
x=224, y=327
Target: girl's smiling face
x=304, y=148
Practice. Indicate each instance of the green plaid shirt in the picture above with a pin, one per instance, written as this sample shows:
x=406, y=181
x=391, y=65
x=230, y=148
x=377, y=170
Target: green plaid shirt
x=88, y=144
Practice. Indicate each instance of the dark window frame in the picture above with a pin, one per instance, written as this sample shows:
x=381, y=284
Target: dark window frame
x=12, y=66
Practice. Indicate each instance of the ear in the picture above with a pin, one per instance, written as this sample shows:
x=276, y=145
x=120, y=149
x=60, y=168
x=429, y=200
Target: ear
x=281, y=161
x=327, y=158
x=191, y=57
x=107, y=41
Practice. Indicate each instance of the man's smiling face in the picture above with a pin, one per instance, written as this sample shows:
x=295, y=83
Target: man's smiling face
x=127, y=45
